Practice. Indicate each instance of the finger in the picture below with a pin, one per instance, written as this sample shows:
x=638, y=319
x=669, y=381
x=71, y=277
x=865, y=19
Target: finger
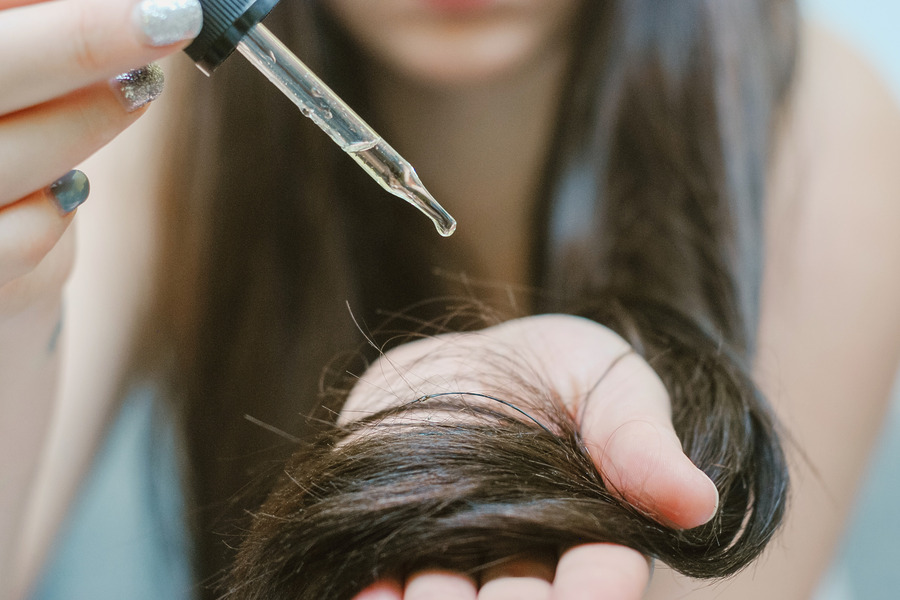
x=627, y=427
x=43, y=284
x=381, y=590
x=439, y=585
x=522, y=579
x=29, y=229
x=38, y=144
x=515, y=588
x=6, y=4
x=601, y=572
x=53, y=48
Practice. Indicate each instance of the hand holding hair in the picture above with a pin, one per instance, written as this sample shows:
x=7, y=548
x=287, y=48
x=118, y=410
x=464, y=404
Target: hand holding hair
x=617, y=400
x=624, y=415
x=491, y=456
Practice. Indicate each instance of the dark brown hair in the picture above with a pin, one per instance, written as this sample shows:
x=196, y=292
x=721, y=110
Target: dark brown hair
x=653, y=191
x=384, y=497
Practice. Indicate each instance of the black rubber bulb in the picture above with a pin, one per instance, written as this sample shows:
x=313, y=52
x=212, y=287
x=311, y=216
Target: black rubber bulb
x=225, y=23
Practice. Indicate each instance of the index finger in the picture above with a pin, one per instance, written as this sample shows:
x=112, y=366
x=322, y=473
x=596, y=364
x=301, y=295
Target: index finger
x=52, y=48
x=4, y=4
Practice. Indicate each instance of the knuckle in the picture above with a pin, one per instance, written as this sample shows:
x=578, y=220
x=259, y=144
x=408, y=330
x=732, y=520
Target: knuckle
x=33, y=251
x=97, y=124
x=95, y=132
x=89, y=53
x=23, y=255
x=31, y=274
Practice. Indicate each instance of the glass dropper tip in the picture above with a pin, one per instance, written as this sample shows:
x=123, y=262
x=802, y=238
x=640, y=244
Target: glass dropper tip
x=410, y=188
x=443, y=222
x=447, y=229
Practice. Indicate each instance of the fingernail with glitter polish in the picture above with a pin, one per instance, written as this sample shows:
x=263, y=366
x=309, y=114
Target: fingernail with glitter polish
x=164, y=22
x=139, y=87
x=71, y=190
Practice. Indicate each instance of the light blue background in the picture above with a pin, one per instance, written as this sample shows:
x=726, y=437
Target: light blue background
x=872, y=25
x=870, y=559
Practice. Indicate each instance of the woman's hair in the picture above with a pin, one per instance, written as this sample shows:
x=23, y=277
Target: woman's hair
x=505, y=476
x=652, y=196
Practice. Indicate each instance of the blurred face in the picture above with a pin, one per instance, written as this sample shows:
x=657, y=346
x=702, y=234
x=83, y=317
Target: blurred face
x=457, y=41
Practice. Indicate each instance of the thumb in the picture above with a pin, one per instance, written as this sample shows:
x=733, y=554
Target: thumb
x=627, y=427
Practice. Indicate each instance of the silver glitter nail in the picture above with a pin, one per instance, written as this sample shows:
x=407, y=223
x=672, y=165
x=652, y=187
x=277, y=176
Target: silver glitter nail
x=164, y=22
x=139, y=87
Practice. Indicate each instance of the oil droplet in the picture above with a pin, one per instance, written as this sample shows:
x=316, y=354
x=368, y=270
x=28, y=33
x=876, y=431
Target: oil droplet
x=446, y=228
x=357, y=147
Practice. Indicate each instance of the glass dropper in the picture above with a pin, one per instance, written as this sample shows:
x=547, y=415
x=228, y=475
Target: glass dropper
x=345, y=127
x=230, y=24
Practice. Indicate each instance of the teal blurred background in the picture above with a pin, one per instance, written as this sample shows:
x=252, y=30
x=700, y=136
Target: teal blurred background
x=868, y=567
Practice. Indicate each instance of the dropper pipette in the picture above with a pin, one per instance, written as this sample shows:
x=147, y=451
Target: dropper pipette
x=230, y=24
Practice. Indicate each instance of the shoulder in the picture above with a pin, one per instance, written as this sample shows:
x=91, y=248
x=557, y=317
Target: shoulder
x=842, y=126
x=852, y=122
x=834, y=218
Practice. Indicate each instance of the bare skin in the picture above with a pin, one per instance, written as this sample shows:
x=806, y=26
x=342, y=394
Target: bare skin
x=830, y=329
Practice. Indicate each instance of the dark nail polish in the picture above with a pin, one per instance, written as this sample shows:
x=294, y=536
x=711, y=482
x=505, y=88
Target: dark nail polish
x=139, y=87
x=71, y=190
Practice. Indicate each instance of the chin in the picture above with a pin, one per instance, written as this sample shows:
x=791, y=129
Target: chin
x=460, y=60
x=456, y=42
x=439, y=71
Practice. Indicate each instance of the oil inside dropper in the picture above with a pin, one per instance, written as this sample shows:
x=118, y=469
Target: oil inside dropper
x=397, y=176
